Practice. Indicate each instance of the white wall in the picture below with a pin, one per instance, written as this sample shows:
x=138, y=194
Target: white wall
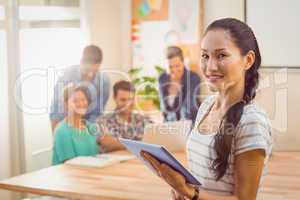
x=280, y=98
x=108, y=25
x=215, y=9
x=125, y=9
x=280, y=27
x=5, y=158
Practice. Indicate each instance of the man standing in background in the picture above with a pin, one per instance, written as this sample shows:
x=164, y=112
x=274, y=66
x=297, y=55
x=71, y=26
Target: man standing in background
x=179, y=88
x=88, y=74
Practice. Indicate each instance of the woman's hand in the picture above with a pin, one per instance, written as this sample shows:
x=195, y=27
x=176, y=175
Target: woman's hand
x=176, y=196
x=172, y=177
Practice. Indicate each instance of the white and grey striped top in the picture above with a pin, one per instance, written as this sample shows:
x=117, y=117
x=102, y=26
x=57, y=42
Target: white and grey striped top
x=253, y=132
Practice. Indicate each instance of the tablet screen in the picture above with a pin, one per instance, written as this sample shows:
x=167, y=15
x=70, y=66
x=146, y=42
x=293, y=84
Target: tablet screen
x=161, y=154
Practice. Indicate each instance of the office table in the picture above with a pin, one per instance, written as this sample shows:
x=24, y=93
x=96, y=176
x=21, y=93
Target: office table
x=131, y=180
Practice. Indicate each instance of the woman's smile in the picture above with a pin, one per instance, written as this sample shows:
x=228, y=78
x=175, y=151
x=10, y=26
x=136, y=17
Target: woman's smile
x=214, y=77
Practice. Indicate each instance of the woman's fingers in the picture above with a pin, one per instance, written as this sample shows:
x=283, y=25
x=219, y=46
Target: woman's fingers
x=173, y=195
x=167, y=175
x=174, y=179
x=152, y=161
x=176, y=196
x=171, y=176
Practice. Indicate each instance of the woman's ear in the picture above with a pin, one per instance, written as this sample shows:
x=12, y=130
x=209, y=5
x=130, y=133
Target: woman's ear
x=250, y=58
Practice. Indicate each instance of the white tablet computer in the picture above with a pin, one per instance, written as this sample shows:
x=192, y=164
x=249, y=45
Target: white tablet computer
x=161, y=154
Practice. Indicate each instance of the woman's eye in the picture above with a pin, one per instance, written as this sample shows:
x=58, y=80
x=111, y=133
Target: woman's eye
x=220, y=56
x=205, y=56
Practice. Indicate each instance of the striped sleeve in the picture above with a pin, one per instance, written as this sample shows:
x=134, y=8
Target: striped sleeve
x=254, y=132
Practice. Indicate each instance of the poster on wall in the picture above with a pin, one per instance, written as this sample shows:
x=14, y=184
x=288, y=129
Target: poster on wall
x=184, y=19
x=150, y=10
x=157, y=24
x=153, y=45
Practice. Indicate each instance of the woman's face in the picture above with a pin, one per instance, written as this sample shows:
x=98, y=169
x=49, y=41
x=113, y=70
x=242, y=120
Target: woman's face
x=221, y=61
x=78, y=103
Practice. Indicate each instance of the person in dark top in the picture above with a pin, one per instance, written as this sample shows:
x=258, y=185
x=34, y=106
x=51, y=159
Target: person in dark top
x=179, y=89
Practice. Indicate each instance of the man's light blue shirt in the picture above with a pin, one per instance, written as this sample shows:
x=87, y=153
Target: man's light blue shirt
x=99, y=90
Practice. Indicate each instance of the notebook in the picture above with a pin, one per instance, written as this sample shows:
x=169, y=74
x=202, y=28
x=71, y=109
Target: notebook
x=99, y=161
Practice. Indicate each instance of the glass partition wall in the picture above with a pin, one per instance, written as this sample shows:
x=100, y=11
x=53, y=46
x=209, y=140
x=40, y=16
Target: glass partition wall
x=43, y=37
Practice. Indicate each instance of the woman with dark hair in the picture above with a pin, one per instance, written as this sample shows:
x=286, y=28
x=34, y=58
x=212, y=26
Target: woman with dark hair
x=229, y=146
x=75, y=136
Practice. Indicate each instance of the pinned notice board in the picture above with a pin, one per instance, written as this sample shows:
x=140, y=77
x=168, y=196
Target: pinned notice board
x=157, y=24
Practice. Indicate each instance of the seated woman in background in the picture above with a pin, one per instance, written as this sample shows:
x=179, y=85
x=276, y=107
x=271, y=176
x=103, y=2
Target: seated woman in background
x=74, y=136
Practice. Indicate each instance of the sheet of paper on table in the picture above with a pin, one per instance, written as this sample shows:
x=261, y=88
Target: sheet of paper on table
x=101, y=160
